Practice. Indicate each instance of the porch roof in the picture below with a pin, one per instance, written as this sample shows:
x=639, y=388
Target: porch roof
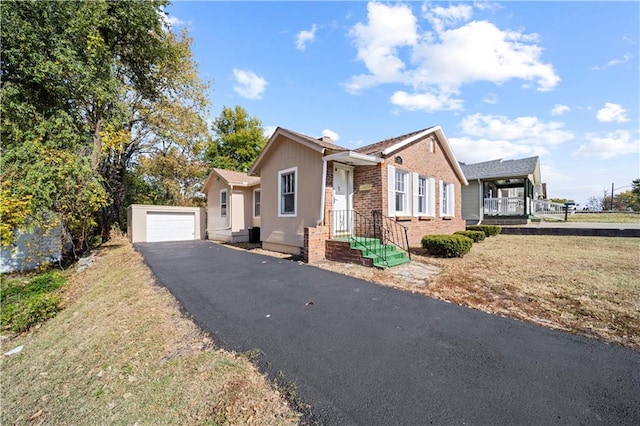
x=502, y=168
x=353, y=158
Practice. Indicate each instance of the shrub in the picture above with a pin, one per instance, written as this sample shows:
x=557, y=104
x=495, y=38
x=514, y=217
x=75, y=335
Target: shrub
x=25, y=304
x=447, y=245
x=476, y=236
x=32, y=311
x=489, y=230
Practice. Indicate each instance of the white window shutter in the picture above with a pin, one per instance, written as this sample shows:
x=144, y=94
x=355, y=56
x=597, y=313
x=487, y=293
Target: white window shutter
x=414, y=187
x=440, y=187
x=452, y=199
x=432, y=197
x=391, y=191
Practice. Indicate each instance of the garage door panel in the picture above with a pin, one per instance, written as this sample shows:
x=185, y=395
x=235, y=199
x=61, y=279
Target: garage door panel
x=173, y=226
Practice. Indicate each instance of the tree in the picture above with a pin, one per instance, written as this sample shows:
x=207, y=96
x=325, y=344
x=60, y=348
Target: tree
x=92, y=93
x=239, y=139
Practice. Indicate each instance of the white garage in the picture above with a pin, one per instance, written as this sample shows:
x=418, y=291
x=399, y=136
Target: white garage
x=148, y=223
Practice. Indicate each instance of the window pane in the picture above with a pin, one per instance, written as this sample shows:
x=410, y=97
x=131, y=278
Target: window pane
x=288, y=203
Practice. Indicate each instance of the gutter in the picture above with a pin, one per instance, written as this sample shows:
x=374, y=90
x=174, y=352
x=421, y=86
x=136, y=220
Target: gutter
x=481, y=197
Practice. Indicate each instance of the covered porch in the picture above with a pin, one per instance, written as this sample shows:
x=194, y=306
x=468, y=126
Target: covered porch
x=508, y=197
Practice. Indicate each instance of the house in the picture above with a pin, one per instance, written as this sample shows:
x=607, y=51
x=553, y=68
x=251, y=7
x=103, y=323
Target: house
x=33, y=247
x=503, y=191
x=320, y=200
x=233, y=205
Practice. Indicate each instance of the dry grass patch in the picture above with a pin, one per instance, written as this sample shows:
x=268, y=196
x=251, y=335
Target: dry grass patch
x=604, y=217
x=121, y=352
x=586, y=285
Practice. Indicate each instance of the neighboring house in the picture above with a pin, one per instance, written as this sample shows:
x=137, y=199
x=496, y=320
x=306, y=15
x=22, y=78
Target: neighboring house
x=233, y=205
x=315, y=193
x=502, y=191
x=32, y=248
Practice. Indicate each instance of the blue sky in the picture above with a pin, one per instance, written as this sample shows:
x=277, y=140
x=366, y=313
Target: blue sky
x=503, y=79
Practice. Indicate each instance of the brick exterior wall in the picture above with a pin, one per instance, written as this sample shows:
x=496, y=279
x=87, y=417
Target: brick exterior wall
x=341, y=251
x=314, y=244
x=416, y=157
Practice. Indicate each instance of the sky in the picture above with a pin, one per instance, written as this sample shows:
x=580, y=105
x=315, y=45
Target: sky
x=560, y=80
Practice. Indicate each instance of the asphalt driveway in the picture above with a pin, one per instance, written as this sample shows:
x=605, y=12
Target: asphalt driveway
x=365, y=354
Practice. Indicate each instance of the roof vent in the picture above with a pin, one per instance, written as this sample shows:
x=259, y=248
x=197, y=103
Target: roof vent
x=326, y=138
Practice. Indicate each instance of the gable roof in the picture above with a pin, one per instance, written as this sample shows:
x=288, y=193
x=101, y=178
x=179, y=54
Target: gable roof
x=320, y=145
x=369, y=154
x=231, y=177
x=388, y=146
x=501, y=168
x=380, y=146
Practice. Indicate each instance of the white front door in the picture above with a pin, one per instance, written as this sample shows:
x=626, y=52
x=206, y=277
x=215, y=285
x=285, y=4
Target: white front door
x=342, y=199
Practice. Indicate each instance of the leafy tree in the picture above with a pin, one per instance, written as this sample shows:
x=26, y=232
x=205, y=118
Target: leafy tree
x=92, y=93
x=239, y=139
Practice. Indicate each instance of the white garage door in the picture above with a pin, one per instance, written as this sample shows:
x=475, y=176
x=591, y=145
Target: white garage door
x=170, y=226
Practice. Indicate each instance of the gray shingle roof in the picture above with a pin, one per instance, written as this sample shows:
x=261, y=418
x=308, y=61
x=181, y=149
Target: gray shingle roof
x=500, y=168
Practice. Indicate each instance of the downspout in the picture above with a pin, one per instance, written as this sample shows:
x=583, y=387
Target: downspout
x=320, y=221
x=481, y=197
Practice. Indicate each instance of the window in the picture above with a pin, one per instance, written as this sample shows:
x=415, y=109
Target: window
x=256, y=203
x=287, y=188
x=401, y=191
x=223, y=203
x=424, y=195
x=447, y=199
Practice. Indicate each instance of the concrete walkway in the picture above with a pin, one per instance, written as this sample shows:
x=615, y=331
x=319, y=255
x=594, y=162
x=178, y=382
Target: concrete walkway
x=364, y=354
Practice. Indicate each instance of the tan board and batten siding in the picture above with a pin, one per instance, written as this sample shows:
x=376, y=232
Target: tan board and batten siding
x=138, y=221
x=286, y=234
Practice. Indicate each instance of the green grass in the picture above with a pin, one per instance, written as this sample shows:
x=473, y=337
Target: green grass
x=25, y=303
x=120, y=352
x=605, y=217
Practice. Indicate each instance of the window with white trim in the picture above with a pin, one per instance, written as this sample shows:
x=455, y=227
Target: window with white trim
x=421, y=205
x=447, y=199
x=401, y=192
x=256, y=203
x=287, y=190
x=223, y=203
x=424, y=195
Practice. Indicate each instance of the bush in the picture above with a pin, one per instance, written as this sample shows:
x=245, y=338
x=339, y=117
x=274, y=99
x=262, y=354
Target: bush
x=32, y=311
x=447, y=245
x=23, y=305
x=476, y=236
x=489, y=230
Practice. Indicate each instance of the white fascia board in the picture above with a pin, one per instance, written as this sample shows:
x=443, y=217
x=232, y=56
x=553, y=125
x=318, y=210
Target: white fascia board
x=280, y=131
x=355, y=157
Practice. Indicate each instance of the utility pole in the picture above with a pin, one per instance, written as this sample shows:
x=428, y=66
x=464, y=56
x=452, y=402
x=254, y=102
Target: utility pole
x=611, y=196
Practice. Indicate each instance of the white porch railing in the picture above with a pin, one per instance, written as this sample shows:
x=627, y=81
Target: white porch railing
x=504, y=206
x=541, y=208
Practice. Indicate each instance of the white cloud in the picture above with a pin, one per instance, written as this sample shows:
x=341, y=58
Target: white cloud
x=441, y=61
x=248, y=84
x=425, y=101
x=305, y=36
x=471, y=150
x=490, y=98
x=268, y=131
x=612, y=113
x=523, y=130
x=388, y=28
x=604, y=146
x=333, y=135
x=612, y=63
x=441, y=17
x=560, y=109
